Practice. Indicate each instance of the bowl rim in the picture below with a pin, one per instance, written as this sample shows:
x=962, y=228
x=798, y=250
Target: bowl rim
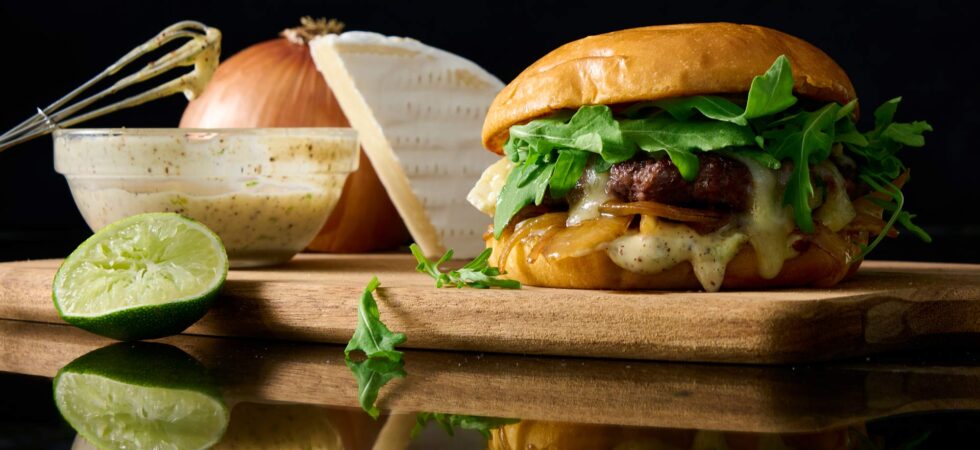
x=163, y=131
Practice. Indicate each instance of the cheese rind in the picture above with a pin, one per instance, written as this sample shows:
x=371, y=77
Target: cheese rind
x=419, y=111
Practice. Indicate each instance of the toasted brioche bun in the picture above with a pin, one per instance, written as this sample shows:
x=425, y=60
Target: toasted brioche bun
x=659, y=62
x=815, y=266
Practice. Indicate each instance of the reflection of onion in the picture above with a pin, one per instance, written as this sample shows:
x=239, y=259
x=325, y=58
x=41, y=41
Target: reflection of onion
x=656, y=209
x=275, y=84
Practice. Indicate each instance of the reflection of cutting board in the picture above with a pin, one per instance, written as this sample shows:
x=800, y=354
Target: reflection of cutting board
x=770, y=399
x=314, y=298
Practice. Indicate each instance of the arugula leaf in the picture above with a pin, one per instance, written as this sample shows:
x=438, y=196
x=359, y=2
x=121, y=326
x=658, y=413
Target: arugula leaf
x=476, y=273
x=846, y=132
x=711, y=106
x=679, y=138
x=809, y=142
x=449, y=422
x=525, y=184
x=904, y=218
x=371, y=375
x=371, y=335
x=908, y=134
x=592, y=128
x=568, y=169
x=770, y=93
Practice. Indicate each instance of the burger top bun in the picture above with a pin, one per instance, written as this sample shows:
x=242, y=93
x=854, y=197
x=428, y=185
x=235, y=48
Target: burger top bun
x=659, y=62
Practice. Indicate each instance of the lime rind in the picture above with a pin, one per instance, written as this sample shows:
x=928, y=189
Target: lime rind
x=143, y=277
x=146, y=322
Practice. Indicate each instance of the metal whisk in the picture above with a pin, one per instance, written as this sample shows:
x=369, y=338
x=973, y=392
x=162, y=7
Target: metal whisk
x=201, y=51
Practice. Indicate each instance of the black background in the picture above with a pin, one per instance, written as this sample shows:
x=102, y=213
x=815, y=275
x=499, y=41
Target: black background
x=920, y=50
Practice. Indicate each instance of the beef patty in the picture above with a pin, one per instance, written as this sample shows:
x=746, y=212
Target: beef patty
x=722, y=183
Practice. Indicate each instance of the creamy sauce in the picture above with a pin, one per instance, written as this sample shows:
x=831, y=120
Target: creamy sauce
x=589, y=194
x=673, y=244
x=265, y=196
x=486, y=191
x=201, y=51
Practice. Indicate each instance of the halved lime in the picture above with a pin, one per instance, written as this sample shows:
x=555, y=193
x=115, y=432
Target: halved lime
x=143, y=277
x=141, y=395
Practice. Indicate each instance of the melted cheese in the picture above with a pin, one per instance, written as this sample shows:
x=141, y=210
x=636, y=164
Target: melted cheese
x=588, y=195
x=486, y=191
x=768, y=223
x=837, y=210
x=673, y=244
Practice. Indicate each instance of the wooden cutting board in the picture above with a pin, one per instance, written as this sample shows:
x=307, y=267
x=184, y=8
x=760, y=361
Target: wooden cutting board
x=888, y=305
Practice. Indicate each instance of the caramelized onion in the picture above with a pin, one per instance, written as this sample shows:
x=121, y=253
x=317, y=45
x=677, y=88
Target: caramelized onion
x=542, y=241
x=838, y=249
x=864, y=206
x=656, y=209
x=536, y=225
x=585, y=238
x=871, y=223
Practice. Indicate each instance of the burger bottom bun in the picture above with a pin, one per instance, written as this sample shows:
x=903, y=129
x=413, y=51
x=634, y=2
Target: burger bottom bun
x=815, y=266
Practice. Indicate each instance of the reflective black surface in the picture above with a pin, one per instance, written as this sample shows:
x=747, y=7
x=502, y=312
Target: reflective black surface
x=294, y=395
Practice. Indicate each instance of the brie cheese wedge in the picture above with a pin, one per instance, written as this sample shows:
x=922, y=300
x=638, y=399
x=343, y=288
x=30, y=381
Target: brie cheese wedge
x=419, y=112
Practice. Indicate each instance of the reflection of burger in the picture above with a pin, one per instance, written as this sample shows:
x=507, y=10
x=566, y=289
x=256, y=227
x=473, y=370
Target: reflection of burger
x=571, y=436
x=678, y=157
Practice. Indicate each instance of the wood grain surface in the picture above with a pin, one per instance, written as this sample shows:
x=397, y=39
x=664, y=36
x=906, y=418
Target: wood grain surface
x=770, y=399
x=313, y=298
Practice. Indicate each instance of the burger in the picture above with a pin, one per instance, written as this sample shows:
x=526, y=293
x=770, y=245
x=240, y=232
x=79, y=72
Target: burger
x=700, y=156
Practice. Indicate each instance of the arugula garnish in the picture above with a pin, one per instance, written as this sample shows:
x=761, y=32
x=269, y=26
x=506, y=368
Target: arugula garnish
x=372, y=336
x=377, y=342
x=475, y=274
x=551, y=153
x=449, y=422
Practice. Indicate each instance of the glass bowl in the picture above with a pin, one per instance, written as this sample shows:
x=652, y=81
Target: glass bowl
x=266, y=192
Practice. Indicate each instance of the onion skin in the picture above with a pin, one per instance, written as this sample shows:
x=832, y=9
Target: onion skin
x=275, y=84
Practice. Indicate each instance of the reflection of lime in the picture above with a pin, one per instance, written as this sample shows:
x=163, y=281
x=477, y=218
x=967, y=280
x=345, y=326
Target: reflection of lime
x=143, y=277
x=141, y=395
